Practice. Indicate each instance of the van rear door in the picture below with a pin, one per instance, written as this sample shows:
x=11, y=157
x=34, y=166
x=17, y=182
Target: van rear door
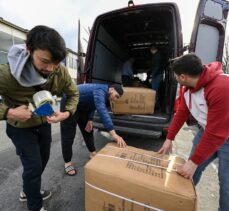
x=208, y=35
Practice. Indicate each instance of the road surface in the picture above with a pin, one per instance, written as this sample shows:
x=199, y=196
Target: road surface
x=68, y=192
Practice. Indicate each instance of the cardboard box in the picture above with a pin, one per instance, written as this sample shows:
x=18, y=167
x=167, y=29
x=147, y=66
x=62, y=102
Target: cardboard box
x=131, y=179
x=135, y=101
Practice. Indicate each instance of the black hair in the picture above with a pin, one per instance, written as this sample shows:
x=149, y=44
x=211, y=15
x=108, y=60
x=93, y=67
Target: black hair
x=118, y=88
x=46, y=38
x=189, y=64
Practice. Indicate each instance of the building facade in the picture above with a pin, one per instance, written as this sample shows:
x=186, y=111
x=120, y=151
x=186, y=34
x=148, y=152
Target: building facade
x=10, y=34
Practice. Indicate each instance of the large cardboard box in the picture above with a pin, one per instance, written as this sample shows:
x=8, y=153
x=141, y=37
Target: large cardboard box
x=135, y=101
x=131, y=179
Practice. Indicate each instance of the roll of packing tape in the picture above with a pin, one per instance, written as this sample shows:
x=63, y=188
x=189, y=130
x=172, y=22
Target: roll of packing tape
x=42, y=97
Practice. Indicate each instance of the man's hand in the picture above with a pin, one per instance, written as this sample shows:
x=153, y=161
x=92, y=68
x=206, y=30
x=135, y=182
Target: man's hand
x=89, y=126
x=187, y=170
x=20, y=114
x=58, y=117
x=166, y=147
x=118, y=139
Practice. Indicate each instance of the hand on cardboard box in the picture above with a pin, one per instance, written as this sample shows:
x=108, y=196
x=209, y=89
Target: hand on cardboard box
x=166, y=147
x=118, y=139
x=187, y=170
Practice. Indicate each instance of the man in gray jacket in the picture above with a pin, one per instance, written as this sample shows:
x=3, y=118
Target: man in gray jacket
x=31, y=68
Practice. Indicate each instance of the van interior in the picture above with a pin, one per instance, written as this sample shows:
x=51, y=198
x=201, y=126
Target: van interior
x=130, y=33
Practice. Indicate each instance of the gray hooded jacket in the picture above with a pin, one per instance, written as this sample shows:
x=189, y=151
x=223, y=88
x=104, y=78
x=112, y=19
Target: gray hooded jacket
x=22, y=68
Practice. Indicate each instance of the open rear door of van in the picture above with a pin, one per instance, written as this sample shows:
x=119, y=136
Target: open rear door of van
x=208, y=35
x=80, y=59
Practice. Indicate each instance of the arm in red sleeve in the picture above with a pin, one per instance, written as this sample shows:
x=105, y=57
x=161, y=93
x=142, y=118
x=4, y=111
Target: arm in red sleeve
x=216, y=131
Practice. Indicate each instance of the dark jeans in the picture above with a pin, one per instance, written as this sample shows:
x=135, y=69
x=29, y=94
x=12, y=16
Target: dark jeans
x=68, y=132
x=223, y=170
x=33, y=147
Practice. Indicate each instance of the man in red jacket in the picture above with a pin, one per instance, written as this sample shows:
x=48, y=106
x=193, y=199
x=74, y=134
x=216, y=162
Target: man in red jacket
x=206, y=97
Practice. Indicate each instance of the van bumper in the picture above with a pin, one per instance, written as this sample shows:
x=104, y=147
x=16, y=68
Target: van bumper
x=132, y=131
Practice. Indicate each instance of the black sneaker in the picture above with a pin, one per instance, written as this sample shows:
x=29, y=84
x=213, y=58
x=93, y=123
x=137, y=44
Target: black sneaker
x=44, y=193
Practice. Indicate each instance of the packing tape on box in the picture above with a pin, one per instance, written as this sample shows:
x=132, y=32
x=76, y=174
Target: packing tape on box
x=42, y=97
x=171, y=163
x=169, y=168
x=124, y=198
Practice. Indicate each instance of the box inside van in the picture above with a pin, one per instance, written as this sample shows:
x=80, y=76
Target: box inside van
x=129, y=32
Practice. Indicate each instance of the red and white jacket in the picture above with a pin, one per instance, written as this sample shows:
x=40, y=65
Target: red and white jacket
x=208, y=103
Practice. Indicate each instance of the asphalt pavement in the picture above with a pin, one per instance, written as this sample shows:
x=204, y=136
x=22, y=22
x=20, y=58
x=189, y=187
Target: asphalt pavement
x=68, y=192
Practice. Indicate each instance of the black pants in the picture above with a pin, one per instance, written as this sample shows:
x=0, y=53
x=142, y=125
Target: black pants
x=33, y=147
x=68, y=132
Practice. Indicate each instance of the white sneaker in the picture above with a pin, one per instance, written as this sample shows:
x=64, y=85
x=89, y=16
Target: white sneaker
x=44, y=193
x=43, y=209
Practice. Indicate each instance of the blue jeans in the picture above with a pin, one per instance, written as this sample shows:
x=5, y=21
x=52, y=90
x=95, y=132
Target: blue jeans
x=155, y=84
x=223, y=170
x=33, y=148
